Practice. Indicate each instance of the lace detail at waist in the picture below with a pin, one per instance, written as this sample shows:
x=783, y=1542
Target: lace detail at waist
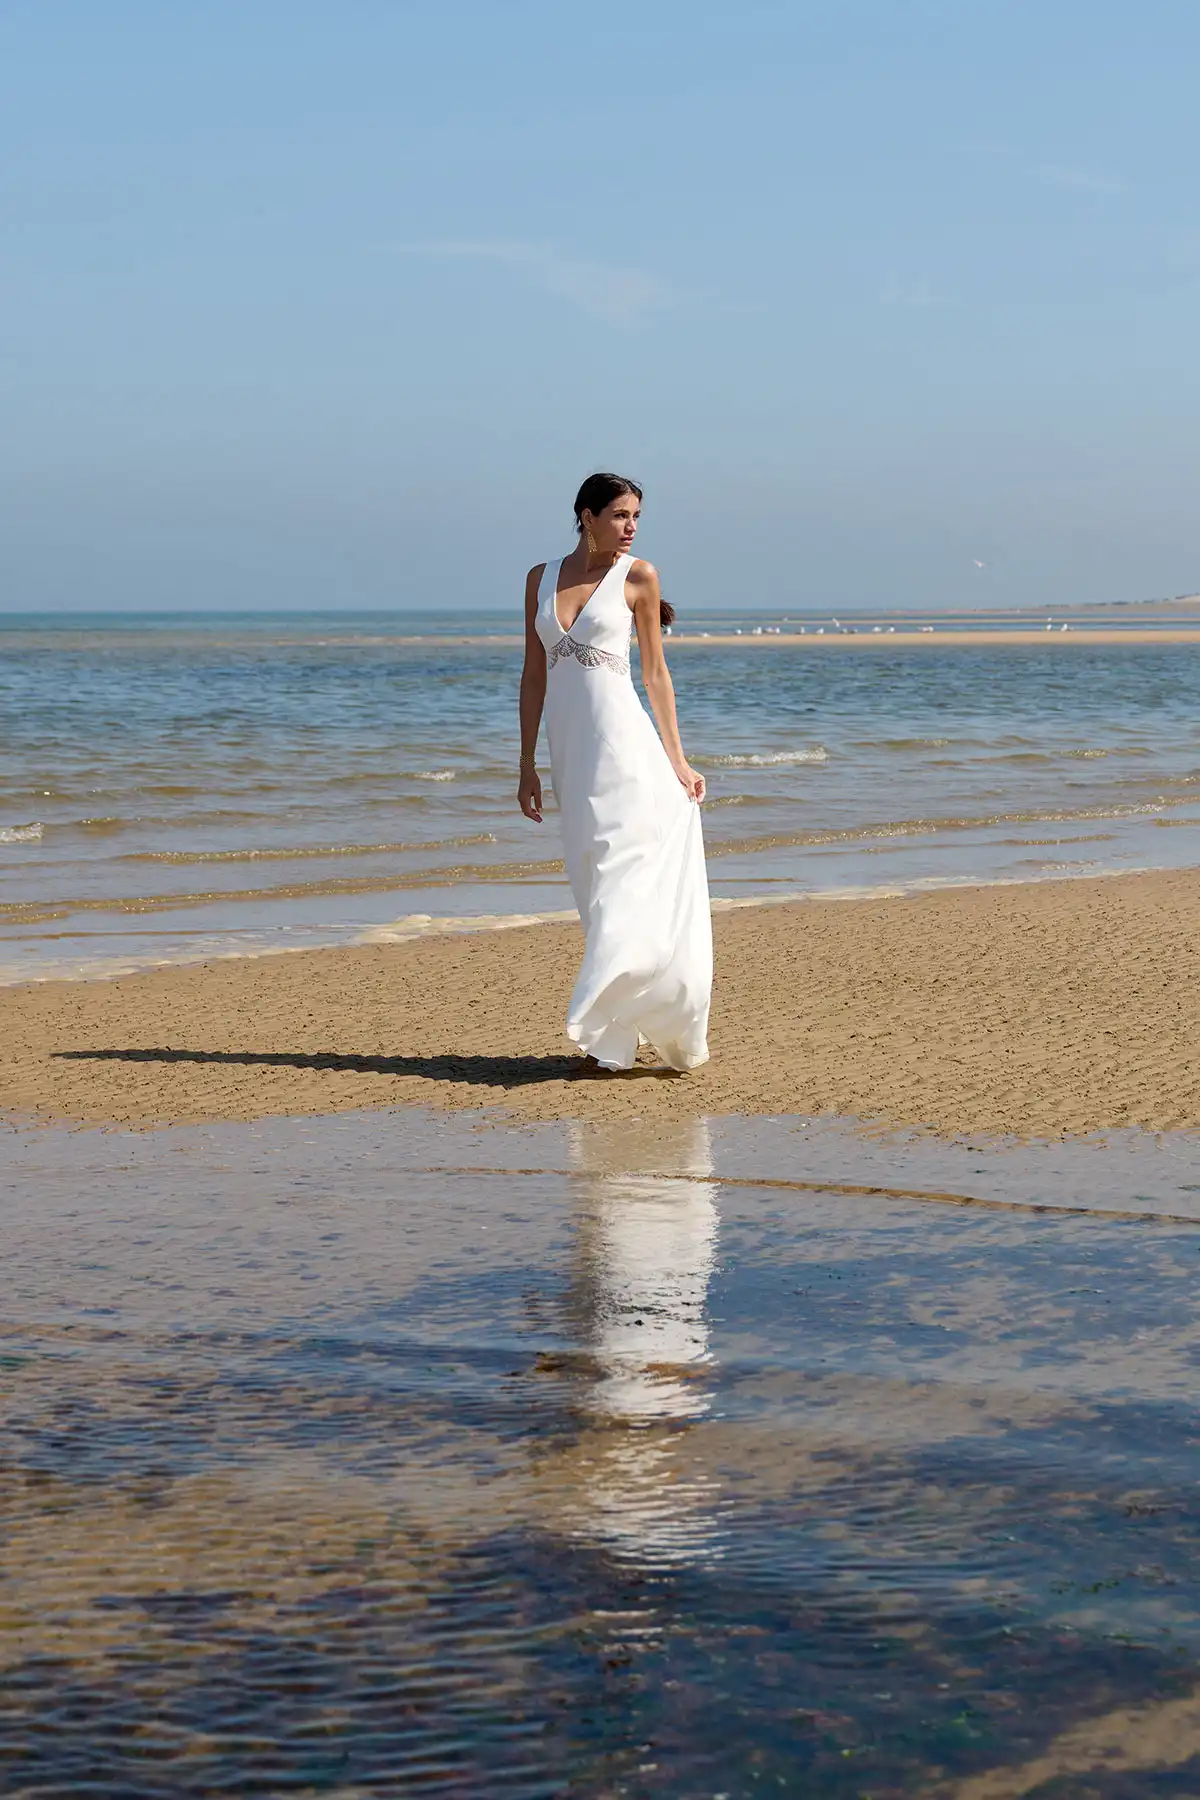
x=588, y=654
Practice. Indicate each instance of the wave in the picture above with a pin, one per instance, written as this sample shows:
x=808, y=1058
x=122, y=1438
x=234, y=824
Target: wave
x=112, y=824
x=32, y=912
x=1085, y=837
x=344, y=787
x=1114, y=750
x=1083, y=753
x=907, y=743
x=816, y=754
x=21, y=834
x=896, y=828
x=415, y=925
x=297, y=853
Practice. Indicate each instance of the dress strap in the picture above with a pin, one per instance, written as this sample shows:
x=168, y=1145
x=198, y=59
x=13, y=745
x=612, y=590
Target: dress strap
x=549, y=581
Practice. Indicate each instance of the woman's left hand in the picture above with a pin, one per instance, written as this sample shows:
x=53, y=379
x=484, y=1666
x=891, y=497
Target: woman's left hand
x=695, y=785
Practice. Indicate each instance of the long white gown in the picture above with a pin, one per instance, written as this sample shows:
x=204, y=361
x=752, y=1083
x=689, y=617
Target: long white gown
x=632, y=839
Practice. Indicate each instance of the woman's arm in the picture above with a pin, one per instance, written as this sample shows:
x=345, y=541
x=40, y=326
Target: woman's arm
x=642, y=584
x=533, y=698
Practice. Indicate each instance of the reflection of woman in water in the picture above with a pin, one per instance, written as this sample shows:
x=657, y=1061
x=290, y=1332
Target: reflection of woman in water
x=646, y=1249
x=628, y=799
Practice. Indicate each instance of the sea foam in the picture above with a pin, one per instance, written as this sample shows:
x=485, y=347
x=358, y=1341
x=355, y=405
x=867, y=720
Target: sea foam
x=816, y=753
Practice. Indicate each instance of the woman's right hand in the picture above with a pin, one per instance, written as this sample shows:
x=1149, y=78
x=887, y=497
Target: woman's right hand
x=694, y=785
x=529, y=795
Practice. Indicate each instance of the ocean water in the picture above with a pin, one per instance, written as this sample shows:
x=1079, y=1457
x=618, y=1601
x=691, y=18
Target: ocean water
x=176, y=787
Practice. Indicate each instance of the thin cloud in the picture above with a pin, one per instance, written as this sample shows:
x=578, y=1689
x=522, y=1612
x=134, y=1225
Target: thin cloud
x=608, y=291
x=1056, y=175
x=1059, y=175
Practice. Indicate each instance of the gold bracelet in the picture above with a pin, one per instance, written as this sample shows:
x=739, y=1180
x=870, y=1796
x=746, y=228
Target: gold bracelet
x=529, y=760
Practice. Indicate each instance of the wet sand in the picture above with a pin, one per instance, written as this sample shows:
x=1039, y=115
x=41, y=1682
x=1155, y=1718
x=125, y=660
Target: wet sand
x=1043, y=1010
x=369, y=1454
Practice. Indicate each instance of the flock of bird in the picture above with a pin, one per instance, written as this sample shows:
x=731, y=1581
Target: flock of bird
x=837, y=626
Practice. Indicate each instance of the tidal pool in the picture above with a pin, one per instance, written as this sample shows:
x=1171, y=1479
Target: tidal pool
x=407, y=1453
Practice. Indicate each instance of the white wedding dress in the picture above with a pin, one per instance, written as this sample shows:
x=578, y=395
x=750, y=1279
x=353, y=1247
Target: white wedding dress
x=633, y=843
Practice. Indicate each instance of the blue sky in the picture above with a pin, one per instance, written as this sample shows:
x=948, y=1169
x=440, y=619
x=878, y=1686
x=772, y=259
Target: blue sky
x=333, y=305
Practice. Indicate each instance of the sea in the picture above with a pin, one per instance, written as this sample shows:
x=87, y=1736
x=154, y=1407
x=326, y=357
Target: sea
x=177, y=787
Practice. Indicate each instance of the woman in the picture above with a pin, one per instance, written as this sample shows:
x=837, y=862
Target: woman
x=628, y=799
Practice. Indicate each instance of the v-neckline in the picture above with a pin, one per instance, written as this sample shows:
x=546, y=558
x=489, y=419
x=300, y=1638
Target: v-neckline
x=567, y=630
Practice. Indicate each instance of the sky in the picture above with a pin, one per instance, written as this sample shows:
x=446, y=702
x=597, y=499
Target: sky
x=334, y=305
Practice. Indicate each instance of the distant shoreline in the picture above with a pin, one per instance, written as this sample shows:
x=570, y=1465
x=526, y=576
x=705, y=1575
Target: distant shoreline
x=938, y=637
x=942, y=636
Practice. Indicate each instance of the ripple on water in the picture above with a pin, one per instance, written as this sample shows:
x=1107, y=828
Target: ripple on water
x=396, y=1454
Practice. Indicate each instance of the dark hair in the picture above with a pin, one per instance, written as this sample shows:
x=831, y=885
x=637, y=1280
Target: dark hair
x=599, y=491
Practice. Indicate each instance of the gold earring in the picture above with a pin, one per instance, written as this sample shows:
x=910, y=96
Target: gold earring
x=591, y=542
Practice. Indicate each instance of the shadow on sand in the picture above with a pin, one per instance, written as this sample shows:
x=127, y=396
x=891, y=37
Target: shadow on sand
x=478, y=1071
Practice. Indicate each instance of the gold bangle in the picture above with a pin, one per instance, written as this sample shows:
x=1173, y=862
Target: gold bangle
x=529, y=759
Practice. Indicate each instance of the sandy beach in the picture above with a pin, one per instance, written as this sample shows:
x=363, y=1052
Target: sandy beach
x=1040, y=1009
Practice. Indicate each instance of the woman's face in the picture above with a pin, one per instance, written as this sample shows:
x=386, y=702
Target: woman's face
x=614, y=528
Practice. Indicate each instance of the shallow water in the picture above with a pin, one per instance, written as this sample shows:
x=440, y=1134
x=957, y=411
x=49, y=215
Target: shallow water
x=198, y=787
x=422, y=1454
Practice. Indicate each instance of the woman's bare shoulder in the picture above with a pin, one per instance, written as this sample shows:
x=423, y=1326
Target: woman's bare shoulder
x=641, y=575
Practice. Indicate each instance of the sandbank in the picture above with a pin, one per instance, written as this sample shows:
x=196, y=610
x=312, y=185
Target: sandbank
x=904, y=637
x=941, y=637
x=1042, y=1009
